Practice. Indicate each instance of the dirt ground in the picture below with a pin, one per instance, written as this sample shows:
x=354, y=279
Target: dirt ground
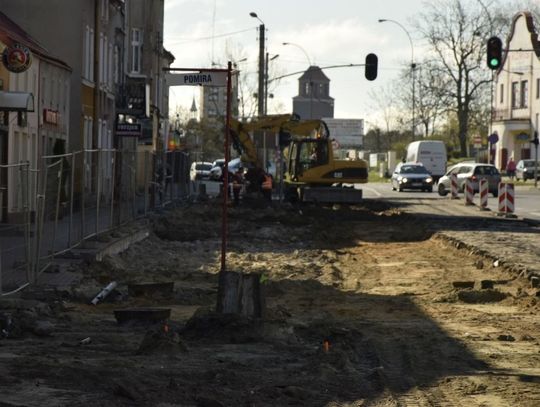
x=361, y=310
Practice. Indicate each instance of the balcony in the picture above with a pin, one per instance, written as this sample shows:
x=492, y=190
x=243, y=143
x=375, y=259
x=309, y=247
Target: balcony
x=511, y=114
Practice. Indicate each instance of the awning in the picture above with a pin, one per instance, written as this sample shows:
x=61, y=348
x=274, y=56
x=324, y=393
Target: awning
x=16, y=101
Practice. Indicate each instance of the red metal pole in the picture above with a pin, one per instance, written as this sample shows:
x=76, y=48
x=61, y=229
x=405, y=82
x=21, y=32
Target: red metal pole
x=226, y=172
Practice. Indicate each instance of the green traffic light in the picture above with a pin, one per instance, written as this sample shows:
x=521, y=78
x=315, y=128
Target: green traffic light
x=494, y=62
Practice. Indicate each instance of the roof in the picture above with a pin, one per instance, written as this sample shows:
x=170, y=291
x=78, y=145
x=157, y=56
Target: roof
x=11, y=33
x=314, y=73
x=530, y=27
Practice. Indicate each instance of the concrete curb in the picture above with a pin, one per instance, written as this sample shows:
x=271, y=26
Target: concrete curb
x=121, y=245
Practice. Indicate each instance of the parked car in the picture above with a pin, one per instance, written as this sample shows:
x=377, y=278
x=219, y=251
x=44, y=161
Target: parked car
x=411, y=176
x=199, y=170
x=473, y=171
x=217, y=169
x=215, y=172
x=525, y=170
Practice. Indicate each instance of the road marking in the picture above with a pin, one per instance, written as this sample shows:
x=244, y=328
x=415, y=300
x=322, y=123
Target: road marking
x=377, y=193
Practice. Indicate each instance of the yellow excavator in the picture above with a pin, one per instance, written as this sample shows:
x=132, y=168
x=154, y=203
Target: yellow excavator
x=310, y=171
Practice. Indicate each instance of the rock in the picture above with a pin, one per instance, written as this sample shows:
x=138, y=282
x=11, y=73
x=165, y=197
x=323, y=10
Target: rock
x=479, y=264
x=506, y=338
x=463, y=284
x=127, y=390
x=43, y=328
x=535, y=282
x=486, y=284
x=496, y=263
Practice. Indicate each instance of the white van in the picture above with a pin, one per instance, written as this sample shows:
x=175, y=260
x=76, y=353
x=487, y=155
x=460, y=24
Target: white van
x=431, y=154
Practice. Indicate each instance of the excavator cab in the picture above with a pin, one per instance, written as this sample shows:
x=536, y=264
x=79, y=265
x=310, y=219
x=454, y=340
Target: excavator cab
x=307, y=154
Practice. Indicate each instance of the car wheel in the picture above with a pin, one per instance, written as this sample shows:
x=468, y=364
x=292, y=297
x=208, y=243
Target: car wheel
x=400, y=189
x=441, y=190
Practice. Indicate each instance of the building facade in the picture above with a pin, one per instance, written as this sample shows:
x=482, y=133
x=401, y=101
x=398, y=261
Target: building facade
x=516, y=93
x=27, y=133
x=313, y=100
x=103, y=66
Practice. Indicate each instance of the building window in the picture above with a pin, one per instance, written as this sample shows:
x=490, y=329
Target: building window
x=515, y=94
x=306, y=88
x=136, y=50
x=524, y=102
x=501, y=95
x=537, y=88
x=105, y=10
x=88, y=54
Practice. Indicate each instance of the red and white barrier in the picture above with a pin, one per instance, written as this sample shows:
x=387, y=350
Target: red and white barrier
x=506, y=198
x=483, y=190
x=453, y=186
x=469, y=192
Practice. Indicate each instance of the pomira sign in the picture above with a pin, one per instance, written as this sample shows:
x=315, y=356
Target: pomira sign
x=17, y=58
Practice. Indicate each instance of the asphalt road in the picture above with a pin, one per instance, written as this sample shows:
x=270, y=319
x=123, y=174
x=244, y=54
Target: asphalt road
x=527, y=198
x=526, y=201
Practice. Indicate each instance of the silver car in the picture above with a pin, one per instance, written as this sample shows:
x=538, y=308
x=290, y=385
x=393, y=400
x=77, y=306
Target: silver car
x=473, y=171
x=525, y=170
x=411, y=176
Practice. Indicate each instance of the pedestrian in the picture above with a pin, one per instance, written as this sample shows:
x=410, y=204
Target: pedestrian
x=511, y=168
x=238, y=183
x=266, y=187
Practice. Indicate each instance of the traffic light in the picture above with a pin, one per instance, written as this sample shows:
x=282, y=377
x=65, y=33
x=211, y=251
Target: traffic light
x=494, y=53
x=371, y=67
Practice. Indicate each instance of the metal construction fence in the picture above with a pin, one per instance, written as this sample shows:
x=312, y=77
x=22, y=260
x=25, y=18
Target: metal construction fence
x=75, y=197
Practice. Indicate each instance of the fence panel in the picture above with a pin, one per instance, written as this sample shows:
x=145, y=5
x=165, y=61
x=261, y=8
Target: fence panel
x=75, y=197
x=15, y=250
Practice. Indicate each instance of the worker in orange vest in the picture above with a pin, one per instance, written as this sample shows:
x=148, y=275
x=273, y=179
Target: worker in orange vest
x=266, y=187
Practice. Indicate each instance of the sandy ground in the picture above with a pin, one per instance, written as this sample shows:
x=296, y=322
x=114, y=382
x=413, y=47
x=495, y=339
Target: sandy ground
x=361, y=310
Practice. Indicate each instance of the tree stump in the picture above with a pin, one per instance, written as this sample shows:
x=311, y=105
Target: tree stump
x=240, y=293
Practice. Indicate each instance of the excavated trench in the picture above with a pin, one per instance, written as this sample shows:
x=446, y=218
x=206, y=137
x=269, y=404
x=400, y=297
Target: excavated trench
x=360, y=310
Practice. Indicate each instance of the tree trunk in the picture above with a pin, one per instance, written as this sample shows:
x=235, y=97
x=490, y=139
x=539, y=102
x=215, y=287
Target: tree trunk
x=240, y=294
x=463, y=123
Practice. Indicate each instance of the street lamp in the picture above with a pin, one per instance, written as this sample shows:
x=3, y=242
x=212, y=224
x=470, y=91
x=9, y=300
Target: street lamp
x=301, y=48
x=413, y=66
x=310, y=77
x=261, y=64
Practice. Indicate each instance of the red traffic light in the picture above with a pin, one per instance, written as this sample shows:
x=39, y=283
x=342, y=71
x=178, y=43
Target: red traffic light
x=494, y=53
x=371, y=67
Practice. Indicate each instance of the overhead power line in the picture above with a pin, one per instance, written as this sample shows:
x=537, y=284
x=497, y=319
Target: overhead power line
x=186, y=40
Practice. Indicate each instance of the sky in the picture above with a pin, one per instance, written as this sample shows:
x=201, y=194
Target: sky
x=325, y=33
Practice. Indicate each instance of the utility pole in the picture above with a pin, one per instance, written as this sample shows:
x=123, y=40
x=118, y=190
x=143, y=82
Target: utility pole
x=261, y=71
x=260, y=95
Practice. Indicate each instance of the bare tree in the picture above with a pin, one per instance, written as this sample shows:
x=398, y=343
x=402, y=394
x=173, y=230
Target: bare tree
x=384, y=101
x=456, y=35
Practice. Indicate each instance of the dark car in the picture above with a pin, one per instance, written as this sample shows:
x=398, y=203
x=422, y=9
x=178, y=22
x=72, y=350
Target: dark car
x=411, y=176
x=525, y=170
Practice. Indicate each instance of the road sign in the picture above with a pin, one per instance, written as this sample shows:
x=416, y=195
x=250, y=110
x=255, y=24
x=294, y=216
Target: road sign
x=202, y=78
x=493, y=138
x=477, y=141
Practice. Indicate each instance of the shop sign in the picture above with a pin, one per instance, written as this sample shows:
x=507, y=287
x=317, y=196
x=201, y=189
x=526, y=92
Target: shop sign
x=50, y=116
x=17, y=58
x=128, y=129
